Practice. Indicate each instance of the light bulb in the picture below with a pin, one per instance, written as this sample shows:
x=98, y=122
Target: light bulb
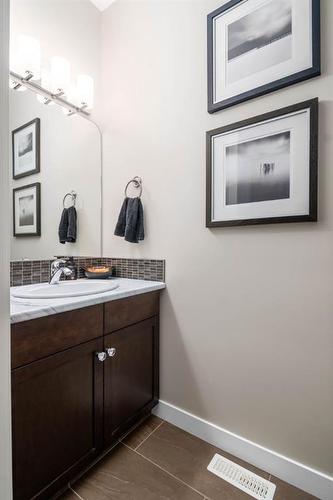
x=60, y=74
x=85, y=91
x=26, y=57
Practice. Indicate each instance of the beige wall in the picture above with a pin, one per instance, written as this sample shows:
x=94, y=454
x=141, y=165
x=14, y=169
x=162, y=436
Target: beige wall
x=5, y=441
x=246, y=337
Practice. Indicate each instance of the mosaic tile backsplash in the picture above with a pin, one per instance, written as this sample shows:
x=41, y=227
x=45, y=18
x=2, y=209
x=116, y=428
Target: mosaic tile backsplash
x=27, y=272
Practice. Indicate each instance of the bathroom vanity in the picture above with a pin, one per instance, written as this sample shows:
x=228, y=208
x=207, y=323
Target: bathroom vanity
x=81, y=377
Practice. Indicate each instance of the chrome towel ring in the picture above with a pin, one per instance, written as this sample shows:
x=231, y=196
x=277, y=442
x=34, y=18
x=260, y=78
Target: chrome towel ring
x=73, y=196
x=137, y=182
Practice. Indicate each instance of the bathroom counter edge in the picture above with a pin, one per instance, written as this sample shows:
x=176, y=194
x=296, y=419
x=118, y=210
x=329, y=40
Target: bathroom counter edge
x=25, y=310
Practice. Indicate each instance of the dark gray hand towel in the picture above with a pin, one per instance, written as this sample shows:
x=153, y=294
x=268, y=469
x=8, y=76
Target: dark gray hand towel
x=63, y=226
x=68, y=226
x=134, y=231
x=130, y=221
x=72, y=225
x=121, y=224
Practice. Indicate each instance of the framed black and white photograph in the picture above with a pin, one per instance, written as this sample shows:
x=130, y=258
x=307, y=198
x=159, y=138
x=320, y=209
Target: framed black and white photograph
x=26, y=149
x=264, y=170
x=27, y=210
x=258, y=46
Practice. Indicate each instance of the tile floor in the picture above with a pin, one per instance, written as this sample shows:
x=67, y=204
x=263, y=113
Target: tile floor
x=158, y=461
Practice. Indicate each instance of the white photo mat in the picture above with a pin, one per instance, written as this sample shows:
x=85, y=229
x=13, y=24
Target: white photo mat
x=298, y=203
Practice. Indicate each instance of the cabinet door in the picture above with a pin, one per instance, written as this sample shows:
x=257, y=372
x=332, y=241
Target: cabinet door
x=131, y=375
x=57, y=419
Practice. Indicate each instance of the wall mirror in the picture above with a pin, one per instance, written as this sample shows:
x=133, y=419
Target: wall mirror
x=54, y=151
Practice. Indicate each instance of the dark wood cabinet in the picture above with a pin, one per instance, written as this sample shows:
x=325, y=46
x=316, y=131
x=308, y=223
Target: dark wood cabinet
x=126, y=312
x=68, y=404
x=38, y=338
x=130, y=374
x=57, y=418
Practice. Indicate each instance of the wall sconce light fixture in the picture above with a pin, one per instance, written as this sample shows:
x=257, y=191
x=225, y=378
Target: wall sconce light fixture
x=53, y=86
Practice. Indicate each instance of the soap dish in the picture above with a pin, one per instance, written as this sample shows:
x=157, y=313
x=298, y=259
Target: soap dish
x=99, y=272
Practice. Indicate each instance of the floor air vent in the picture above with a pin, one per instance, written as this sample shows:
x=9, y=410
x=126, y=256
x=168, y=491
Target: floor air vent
x=243, y=479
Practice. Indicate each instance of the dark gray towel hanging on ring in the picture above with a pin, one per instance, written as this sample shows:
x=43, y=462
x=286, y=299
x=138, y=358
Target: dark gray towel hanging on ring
x=63, y=226
x=130, y=223
x=68, y=226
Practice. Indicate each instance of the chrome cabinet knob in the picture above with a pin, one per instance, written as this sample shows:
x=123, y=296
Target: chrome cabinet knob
x=101, y=356
x=111, y=351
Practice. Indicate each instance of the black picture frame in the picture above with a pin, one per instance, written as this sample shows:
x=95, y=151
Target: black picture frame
x=297, y=77
x=36, y=169
x=313, y=106
x=37, y=186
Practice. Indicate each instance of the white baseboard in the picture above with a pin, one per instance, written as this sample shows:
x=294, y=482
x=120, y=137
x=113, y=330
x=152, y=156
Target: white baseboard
x=295, y=473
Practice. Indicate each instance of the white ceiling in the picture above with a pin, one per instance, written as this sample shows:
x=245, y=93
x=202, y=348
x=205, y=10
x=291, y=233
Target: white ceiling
x=102, y=4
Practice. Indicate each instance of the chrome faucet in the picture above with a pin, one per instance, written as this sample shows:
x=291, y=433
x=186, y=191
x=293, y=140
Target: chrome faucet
x=57, y=270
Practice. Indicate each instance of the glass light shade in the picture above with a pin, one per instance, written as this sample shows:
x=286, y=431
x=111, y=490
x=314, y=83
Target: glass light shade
x=45, y=82
x=85, y=91
x=26, y=56
x=71, y=96
x=60, y=74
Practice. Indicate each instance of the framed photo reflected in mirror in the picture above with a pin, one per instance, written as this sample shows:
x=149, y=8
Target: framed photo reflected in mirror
x=27, y=210
x=26, y=149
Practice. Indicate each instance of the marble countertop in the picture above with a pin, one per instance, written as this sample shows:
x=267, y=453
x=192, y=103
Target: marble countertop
x=26, y=309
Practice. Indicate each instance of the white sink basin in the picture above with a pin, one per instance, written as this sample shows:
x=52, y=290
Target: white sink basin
x=64, y=289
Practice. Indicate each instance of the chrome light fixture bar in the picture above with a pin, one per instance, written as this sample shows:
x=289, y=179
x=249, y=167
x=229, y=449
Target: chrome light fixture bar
x=25, y=81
